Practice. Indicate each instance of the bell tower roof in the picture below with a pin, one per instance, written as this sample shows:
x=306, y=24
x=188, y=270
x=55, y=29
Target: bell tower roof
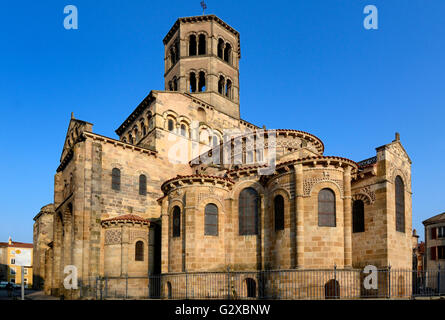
x=208, y=17
x=201, y=57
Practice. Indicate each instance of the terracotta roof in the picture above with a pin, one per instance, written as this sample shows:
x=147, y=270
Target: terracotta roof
x=16, y=245
x=439, y=218
x=127, y=217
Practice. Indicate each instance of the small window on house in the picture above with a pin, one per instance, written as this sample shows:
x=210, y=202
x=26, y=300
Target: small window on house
x=142, y=185
x=25, y=271
x=211, y=220
x=192, y=45
x=12, y=271
x=220, y=48
x=171, y=125
x=400, y=204
x=124, y=140
x=441, y=252
x=433, y=233
x=176, y=222
x=358, y=216
x=259, y=155
x=248, y=212
x=139, y=251
x=202, y=44
x=116, y=179
x=279, y=212
x=12, y=261
x=441, y=233
x=326, y=208
x=433, y=255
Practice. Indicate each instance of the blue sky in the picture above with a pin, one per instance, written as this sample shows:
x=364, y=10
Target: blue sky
x=307, y=65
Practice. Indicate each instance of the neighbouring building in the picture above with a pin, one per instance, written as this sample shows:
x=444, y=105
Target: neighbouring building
x=435, y=251
x=150, y=202
x=9, y=271
x=418, y=253
x=435, y=241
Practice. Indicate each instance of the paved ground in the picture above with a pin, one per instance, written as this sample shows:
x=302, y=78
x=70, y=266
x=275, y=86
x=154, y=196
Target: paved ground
x=29, y=295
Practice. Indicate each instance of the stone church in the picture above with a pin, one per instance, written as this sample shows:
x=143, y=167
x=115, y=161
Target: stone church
x=190, y=186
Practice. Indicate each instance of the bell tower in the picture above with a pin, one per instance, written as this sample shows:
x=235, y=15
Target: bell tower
x=201, y=58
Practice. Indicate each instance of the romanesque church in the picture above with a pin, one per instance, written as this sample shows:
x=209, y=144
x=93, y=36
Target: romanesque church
x=189, y=186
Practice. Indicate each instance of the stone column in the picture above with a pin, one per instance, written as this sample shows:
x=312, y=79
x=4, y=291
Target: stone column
x=262, y=234
x=165, y=242
x=299, y=215
x=347, y=217
x=124, y=250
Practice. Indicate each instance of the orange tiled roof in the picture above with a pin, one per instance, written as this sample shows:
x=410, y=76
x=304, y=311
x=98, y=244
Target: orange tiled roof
x=16, y=245
x=127, y=217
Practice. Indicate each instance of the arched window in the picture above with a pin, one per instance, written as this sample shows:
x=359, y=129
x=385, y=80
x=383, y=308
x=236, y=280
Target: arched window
x=192, y=45
x=279, y=212
x=220, y=48
x=358, y=216
x=202, y=44
x=124, y=140
x=116, y=179
x=130, y=138
x=139, y=251
x=248, y=212
x=176, y=222
x=142, y=185
x=143, y=128
x=326, y=208
x=202, y=82
x=172, y=56
x=177, y=53
x=175, y=84
x=183, y=130
x=171, y=125
x=170, y=86
x=150, y=120
x=221, y=84
x=192, y=82
x=227, y=52
x=229, y=89
x=400, y=204
x=211, y=220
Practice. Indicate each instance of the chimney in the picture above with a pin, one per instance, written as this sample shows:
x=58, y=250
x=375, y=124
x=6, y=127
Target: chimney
x=9, y=240
x=397, y=137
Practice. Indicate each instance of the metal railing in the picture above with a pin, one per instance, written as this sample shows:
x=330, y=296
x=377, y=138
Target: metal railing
x=271, y=284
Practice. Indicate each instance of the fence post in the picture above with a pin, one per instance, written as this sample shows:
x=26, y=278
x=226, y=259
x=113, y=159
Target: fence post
x=438, y=279
x=95, y=287
x=106, y=287
x=389, y=281
x=186, y=285
x=228, y=283
x=126, y=286
x=335, y=281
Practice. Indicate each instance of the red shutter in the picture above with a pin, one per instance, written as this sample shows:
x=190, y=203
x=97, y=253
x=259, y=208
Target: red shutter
x=433, y=233
x=433, y=253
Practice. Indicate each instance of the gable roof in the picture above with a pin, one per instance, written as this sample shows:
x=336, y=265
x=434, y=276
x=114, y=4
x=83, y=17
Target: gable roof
x=73, y=122
x=438, y=218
